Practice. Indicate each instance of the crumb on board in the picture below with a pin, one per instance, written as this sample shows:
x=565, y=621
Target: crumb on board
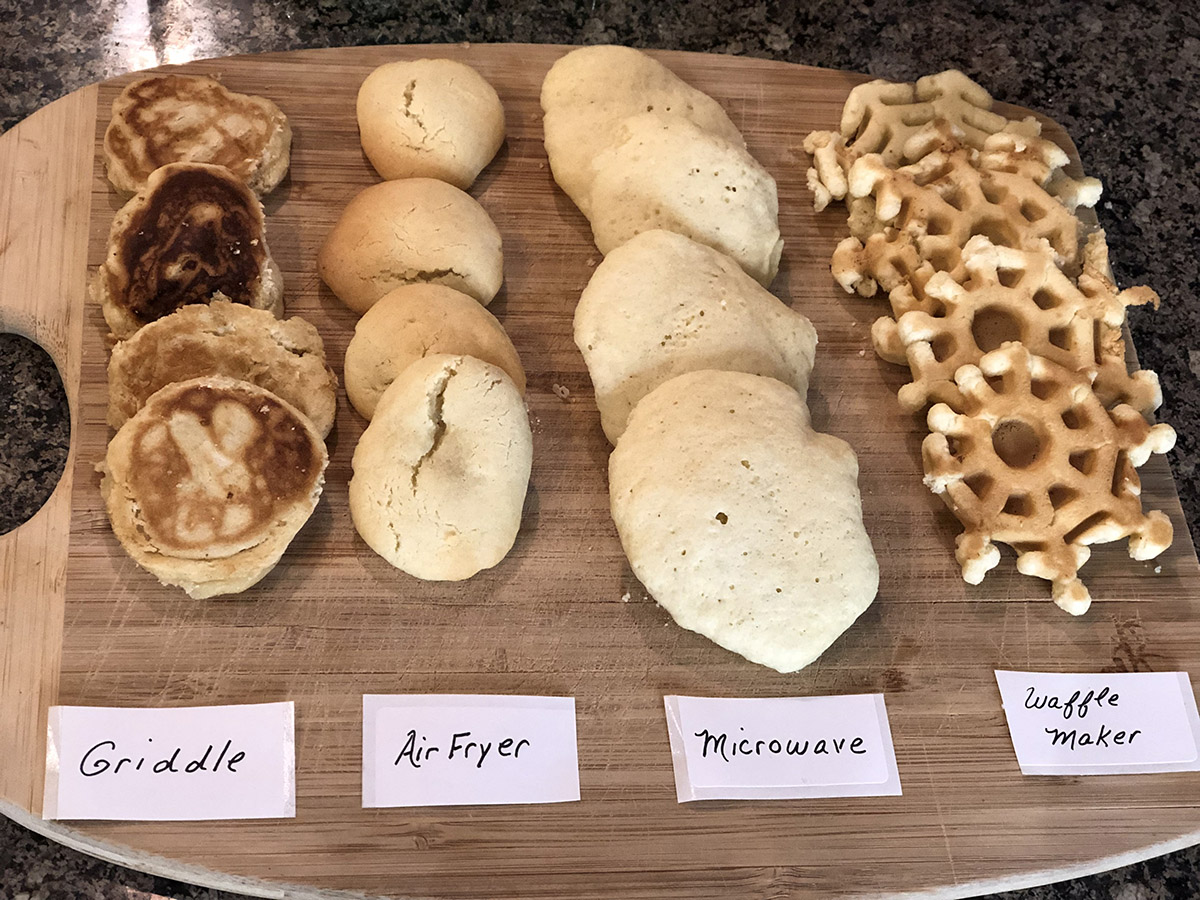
x=563, y=392
x=625, y=597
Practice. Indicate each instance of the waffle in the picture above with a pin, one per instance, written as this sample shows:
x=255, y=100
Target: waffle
x=1036, y=462
x=938, y=204
x=1008, y=320
x=1014, y=295
x=883, y=118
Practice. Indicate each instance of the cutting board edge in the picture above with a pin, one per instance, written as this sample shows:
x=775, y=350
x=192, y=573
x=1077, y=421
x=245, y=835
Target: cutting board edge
x=33, y=556
x=199, y=875
x=159, y=866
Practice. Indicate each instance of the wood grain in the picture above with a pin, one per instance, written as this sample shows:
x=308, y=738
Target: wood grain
x=563, y=614
x=45, y=198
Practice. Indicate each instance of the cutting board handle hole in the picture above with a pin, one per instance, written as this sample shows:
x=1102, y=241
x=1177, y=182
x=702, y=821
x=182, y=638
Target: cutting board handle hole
x=35, y=429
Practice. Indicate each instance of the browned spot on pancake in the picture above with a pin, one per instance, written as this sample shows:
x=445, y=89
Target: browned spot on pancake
x=260, y=473
x=197, y=233
x=233, y=128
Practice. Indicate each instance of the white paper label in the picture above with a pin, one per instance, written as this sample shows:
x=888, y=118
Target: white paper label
x=171, y=765
x=744, y=749
x=1101, y=724
x=458, y=749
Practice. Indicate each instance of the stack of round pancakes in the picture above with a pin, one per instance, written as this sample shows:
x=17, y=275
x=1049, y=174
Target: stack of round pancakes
x=221, y=408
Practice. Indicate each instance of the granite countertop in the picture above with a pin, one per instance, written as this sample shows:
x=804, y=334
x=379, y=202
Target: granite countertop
x=1121, y=77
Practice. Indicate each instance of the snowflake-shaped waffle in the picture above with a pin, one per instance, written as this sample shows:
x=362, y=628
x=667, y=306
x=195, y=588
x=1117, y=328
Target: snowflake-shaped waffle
x=887, y=118
x=1014, y=295
x=1034, y=460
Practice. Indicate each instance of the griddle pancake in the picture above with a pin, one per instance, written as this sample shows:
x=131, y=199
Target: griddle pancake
x=287, y=357
x=164, y=119
x=207, y=485
x=195, y=232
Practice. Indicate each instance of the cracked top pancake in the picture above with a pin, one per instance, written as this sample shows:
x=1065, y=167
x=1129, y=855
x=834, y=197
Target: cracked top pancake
x=193, y=118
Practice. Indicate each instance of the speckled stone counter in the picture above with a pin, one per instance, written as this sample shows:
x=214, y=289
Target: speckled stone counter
x=1123, y=79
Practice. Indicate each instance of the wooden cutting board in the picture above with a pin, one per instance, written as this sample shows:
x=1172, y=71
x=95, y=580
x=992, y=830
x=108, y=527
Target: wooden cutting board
x=562, y=614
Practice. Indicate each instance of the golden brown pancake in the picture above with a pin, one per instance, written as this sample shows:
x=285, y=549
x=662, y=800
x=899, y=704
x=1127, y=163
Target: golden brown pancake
x=207, y=485
x=287, y=357
x=164, y=119
x=194, y=232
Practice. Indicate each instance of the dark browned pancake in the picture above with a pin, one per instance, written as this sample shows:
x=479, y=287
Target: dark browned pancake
x=164, y=119
x=195, y=232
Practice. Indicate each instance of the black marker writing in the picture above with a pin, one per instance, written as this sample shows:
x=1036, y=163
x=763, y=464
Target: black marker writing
x=103, y=758
x=1077, y=704
x=722, y=745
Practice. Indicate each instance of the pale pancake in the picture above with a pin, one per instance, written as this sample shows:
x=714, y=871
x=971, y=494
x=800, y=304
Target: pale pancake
x=740, y=520
x=661, y=305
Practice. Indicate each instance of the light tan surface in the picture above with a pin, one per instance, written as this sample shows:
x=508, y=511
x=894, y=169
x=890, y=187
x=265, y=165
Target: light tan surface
x=665, y=172
x=337, y=621
x=589, y=91
x=429, y=118
x=412, y=322
x=287, y=357
x=743, y=522
x=662, y=304
x=441, y=472
x=411, y=231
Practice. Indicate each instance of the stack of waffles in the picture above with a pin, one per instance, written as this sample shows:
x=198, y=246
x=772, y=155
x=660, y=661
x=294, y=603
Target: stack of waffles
x=1004, y=310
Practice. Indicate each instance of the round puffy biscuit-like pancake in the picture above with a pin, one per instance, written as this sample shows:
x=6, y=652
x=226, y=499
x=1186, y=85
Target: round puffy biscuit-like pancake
x=208, y=483
x=441, y=472
x=412, y=322
x=589, y=90
x=286, y=357
x=429, y=118
x=740, y=520
x=661, y=305
x=163, y=119
x=195, y=232
x=411, y=231
x=665, y=172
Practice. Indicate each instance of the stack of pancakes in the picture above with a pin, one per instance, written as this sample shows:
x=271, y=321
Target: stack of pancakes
x=221, y=408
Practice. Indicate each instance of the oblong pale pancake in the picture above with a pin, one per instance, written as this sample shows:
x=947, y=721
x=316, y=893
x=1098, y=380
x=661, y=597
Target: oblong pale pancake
x=661, y=305
x=194, y=232
x=163, y=119
x=589, y=90
x=666, y=172
x=411, y=231
x=417, y=320
x=208, y=483
x=284, y=356
x=740, y=520
x=441, y=472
